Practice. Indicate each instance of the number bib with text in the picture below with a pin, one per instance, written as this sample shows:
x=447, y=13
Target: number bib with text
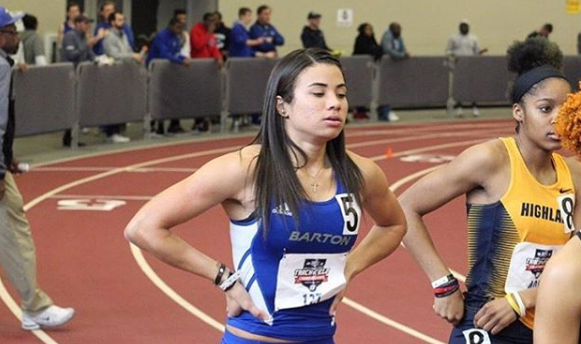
x=527, y=264
x=305, y=279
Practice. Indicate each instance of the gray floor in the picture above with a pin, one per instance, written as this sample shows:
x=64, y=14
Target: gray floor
x=44, y=148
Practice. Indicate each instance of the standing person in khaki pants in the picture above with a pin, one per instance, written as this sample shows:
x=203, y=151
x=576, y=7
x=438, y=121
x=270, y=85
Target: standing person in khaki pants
x=17, y=252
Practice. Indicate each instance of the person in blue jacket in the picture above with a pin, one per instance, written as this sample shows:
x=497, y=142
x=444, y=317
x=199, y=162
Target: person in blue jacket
x=263, y=28
x=240, y=42
x=166, y=45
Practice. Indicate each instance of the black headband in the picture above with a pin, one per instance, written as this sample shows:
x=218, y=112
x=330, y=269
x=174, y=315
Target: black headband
x=527, y=80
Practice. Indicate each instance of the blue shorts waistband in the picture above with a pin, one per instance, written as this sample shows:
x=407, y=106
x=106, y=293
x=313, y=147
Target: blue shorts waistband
x=230, y=338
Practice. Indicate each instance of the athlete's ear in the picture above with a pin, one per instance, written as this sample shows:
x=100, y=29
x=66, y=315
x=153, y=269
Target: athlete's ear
x=280, y=107
x=518, y=112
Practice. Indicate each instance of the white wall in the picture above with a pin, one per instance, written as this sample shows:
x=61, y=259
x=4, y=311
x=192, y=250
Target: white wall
x=426, y=24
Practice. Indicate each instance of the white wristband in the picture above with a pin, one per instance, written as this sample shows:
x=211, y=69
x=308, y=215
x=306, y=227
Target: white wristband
x=521, y=304
x=229, y=282
x=441, y=281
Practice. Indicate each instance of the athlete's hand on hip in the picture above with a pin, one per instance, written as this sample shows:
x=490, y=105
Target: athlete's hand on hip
x=450, y=308
x=238, y=299
x=338, y=298
x=494, y=316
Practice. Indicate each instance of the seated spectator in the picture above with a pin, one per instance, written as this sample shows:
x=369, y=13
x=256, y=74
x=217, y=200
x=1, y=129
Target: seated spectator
x=365, y=44
x=32, y=45
x=464, y=44
x=393, y=46
x=240, y=42
x=543, y=31
x=166, y=45
x=312, y=36
x=263, y=28
x=181, y=15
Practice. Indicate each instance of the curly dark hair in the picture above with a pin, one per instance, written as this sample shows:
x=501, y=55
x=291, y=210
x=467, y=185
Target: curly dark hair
x=534, y=52
x=523, y=56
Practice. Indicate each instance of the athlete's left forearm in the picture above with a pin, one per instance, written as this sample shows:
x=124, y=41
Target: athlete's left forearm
x=379, y=243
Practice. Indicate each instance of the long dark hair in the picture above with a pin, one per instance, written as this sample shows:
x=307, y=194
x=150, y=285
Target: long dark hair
x=275, y=180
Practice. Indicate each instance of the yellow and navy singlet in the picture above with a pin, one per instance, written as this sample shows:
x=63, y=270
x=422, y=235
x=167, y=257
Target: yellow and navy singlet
x=510, y=241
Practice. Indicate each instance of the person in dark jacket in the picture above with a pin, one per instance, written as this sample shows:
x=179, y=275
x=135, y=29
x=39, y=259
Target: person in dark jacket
x=76, y=49
x=365, y=43
x=312, y=36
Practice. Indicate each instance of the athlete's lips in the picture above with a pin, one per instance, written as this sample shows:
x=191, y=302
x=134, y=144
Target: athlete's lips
x=554, y=136
x=334, y=118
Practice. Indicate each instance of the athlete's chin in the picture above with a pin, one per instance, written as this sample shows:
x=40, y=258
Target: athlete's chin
x=554, y=145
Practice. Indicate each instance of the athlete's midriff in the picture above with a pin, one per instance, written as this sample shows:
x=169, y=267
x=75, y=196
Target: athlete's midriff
x=247, y=335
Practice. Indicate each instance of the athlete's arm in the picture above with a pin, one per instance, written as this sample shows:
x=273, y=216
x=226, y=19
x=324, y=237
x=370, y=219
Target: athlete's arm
x=389, y=222
x=150, y=227
x=558, y=310
x=470, y=170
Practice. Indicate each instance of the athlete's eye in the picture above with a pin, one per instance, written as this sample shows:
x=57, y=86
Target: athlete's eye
x=546, y=109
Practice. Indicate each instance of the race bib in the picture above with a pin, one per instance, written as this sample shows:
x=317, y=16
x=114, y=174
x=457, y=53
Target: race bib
x=566, y=206
x=476, y=336
x=527, y=264
x=306, y=279
x=351, y=213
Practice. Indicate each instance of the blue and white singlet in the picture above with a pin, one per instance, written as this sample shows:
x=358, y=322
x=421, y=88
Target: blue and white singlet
x=294, y=272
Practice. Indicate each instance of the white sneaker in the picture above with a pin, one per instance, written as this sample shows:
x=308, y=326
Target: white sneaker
x=117, y=138
x=393, y=117
x=475, y=112
x=51, y=317
x=459, y=112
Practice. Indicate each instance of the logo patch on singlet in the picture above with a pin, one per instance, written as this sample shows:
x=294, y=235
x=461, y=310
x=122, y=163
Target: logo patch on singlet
x=537, y=264
x=527, y=264
x=476, y=336
x=282, y=209
x=312, y=274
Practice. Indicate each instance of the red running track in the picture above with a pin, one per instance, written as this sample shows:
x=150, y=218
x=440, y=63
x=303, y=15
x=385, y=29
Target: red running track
x=84, y=261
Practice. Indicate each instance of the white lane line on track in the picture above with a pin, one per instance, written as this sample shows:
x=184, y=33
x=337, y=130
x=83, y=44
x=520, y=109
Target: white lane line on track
x=158, y=282
x=11, y=304
x=120, y=197
x=7, y=298
x=106, y=169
